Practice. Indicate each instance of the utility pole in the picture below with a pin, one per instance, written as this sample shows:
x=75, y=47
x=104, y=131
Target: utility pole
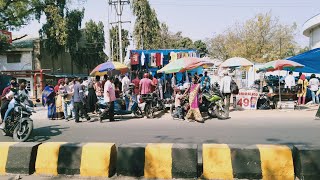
x=118, y=4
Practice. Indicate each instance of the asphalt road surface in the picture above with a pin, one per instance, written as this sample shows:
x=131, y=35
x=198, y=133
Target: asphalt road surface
x=244, y=127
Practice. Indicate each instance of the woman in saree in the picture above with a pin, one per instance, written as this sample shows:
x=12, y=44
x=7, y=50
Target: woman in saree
x=48, y=98
x=194, y=101
x=59, y=95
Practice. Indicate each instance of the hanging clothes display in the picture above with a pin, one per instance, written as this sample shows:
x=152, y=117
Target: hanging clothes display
x=143, y=59
x=158, y=59
x=185, y=54
x=153, y=62
x=134, y=58
x=161, y=62
x=174, y=56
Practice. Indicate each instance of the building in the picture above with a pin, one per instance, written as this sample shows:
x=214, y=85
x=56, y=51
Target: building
x=311, y=29
x=28, y=61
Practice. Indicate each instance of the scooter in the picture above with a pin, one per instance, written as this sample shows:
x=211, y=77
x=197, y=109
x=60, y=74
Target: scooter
x=120, y=108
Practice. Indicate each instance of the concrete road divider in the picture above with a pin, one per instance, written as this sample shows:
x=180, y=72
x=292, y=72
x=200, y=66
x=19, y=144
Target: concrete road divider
x=307, y=162
x=91, y=159
x=162, y=161
x=221, y=161
x=17, y=158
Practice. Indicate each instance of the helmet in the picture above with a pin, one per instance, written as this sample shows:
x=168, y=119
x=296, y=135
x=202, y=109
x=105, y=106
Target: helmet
x=146, y=75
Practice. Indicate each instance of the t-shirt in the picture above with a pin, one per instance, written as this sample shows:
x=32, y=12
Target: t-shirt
x=143, y=59
x=125, y=84
x=174, y=56
x=161, y=62
x=153, y=62
x=155, y=83
x=146, y=85
x=177, y=101
x=109, y=88
x=134, y=58
x=136, y=83
x=158, y=59
x=314, y=84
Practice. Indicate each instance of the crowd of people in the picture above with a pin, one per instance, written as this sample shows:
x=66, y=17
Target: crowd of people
x=302, y=87
x=75, y=98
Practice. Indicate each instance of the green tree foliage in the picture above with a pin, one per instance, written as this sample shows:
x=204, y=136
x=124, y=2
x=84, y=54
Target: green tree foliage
x=147, y=26
x=115, y=37
x=90, y=52
x=260, y=39
x=74, y=19
x=201, y=47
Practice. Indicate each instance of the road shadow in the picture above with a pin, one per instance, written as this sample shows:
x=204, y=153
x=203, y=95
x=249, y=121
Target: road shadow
x=45, y=133
x=288, y=143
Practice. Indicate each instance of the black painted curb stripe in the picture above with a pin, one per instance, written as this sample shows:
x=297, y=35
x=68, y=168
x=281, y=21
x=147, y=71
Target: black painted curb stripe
x=246, y=162
x=307, y=162
x=69, y=159
x=22, y=158
x=131, y=160
x=184, y=161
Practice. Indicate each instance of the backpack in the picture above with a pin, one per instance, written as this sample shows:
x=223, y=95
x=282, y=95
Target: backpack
x=234, y=87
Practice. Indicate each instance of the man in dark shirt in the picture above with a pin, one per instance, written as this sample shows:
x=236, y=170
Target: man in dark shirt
x=78, y=98
x=4, y=101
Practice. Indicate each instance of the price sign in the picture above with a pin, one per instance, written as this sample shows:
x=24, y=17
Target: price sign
x=247, y=100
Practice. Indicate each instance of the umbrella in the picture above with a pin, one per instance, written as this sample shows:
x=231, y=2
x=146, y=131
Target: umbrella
x=278, y=65
x=104, y=68
x=184, y=64
x=236, y=62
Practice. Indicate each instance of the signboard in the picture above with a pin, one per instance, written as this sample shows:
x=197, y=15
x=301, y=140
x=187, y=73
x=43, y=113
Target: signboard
x=7, y=34
x=247, y=99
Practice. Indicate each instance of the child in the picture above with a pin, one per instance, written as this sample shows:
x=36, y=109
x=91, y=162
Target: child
x=177, y=103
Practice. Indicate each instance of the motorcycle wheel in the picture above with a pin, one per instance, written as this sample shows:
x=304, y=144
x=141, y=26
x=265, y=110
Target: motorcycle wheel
x=23, y=133
x=211, y=112
x=221, y=113
x=149, y=111
x=138, y=113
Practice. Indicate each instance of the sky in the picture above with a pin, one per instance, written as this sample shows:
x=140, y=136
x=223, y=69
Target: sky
x=200, y=19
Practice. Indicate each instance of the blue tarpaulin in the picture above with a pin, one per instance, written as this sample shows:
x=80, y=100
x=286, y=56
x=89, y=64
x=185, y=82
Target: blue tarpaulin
x=310, y=60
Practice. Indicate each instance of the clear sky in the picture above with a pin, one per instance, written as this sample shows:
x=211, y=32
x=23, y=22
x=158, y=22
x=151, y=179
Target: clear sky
x=201, y=19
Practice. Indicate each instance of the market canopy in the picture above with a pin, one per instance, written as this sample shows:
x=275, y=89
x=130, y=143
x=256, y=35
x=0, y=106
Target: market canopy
x=106, y=67
x=184, y=64
x=280, y=65
x=310, y=60
x=236, y=62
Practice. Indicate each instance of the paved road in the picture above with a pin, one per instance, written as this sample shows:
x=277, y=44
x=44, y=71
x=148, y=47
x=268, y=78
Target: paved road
x=245, y=127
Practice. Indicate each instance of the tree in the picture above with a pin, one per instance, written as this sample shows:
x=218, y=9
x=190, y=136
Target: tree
x=115, y=44
x=201, y=48
x=91, y=52
x=260, y=39
x=147, y=26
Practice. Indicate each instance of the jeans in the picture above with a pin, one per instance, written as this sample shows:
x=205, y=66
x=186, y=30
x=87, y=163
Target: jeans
x=127, y=100
x=10, y=108
x=315, y=98
x=66, y=109
x=72, y=110
x=4, y=107
x=79, y=107
x=179, y=113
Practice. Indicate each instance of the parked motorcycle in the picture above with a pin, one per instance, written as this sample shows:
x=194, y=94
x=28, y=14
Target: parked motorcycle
x=213, y=103
x=153, y=103
x=18, y=122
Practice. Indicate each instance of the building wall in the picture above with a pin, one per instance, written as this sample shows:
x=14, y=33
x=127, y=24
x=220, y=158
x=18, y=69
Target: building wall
x=315, y=38
x=25, y=64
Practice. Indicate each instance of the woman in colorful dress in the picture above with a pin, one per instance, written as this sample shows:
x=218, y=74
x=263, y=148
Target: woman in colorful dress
x=302, y=89
x=48, y=98
x=194, y=101
x=98, y=87
x=59, y=89
x=92, y=97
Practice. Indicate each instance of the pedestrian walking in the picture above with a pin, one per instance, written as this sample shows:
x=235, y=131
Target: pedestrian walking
x=136, y=82
x=314, y=87
x=125, y=88
x=302, y=89
x=79, y=101
x=225, y=88
x=92, y=97
x=109, y=98
x=194, y=100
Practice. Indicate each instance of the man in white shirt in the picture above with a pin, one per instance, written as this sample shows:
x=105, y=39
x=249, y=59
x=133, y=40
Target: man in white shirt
x=314, y=87
x=125, y=87
x=290, y=81
x=109, y=97
x=225, y=88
